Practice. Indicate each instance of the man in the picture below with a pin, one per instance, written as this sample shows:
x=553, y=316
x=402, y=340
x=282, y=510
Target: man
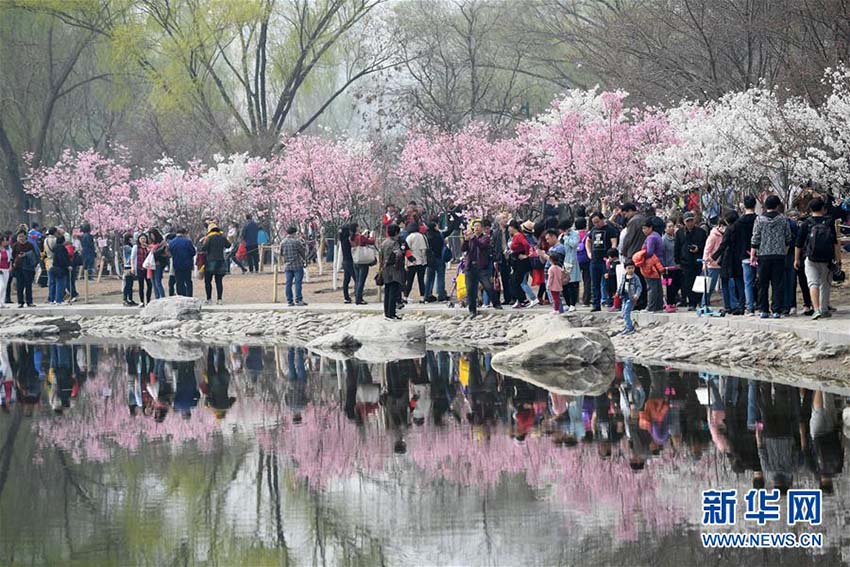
x=89, y=251
x=654, y=249
x=631, y=244
x=743, y=234
x=182, y=259
x=435, y=272
x=690, y=244
x=476, y=245
x=250, y=232
x=817, y=244
x=599, y=240
x=391, y=269
x=769, y=245
x=294, y=254
x=501, y=253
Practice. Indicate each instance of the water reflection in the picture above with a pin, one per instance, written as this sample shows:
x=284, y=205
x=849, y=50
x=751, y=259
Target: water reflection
x=259, y=436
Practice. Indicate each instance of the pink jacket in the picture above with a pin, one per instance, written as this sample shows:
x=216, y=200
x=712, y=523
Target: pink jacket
x=555, y=281
x=711, y=246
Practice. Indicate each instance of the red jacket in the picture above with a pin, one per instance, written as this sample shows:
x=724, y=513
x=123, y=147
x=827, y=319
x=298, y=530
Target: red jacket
x=519, y=245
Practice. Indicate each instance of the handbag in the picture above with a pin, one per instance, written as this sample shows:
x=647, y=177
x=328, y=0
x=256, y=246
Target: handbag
x=701, y=284
x=242, y=252
x=149, y=263
x=379, y=279
x=364, y=255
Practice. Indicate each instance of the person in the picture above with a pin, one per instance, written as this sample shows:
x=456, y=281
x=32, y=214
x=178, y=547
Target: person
x=391, y=262
x=361, y=271
x=629, y=292
x=160, y=256
x=435, y=272
x=771, y=238
x=233, y=239
x=731, y=268
x=555, y=279
x=137, y=259
x=816, y=248
x=652, y=267
x=712, y=267
x=479, y=257
x=417, y=260
x=59, y=272
x=609, y=278
x=127, y=254
x=671, y=270
x=570, y=240
x=583, y=260
x=344, y=235
x=743, y=235
x=5, y=267
x=35, y=235
x=47, y=257
x=214, y=246
x=599, y=240
x=501, y=253
x=294, y=254
x=88, y=249
x=182, y=253
x=24, y=263
x=250, y=233
x=690, y=243
x=521, y=266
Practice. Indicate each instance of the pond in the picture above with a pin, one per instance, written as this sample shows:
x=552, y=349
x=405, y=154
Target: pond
x=245, y=455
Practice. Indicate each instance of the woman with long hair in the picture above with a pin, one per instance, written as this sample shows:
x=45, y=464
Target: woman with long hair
x=137, y=259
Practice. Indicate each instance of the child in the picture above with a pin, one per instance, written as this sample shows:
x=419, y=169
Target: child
x=629, y=292
x=555, y=280
x=610, y=276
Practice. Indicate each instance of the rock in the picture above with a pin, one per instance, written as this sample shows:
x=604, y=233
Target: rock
x=378, y=329
x=568, y=347
x=158, y=326
x=538, y=326
x=64, y=325
x=175, y=307
x=174, y=351
x=29, y=330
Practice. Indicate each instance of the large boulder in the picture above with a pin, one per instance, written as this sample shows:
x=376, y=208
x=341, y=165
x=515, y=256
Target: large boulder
x=582, y=346
x=538, y=326
x=373, y=339
x=175, y=307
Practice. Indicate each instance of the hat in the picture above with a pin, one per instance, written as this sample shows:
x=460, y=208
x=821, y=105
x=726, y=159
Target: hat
x=689, y=216
x=527, y=226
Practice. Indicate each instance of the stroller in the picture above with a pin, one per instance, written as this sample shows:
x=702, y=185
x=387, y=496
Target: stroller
x=459, y=291
x=704, y=281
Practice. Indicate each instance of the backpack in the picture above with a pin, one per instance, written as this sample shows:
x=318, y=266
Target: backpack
x=581, y=252
x=820, y=246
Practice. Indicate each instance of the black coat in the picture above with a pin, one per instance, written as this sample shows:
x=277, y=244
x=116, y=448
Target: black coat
x=684, y=240
x=728, y=256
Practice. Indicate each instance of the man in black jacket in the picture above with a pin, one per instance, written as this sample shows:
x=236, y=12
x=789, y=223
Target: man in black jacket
x=690, y=243
x=743, y=235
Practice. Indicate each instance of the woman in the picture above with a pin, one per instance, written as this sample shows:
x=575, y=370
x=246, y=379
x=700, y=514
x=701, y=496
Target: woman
x=5, y=267
x=712, y=268
x=140, y=273
x=520, y=264
x=731, y=269
x=391, y=262
x=214, y=246
x=417, y=261
x=59, y=272
x=361, y=271
x=127, y=255
x=24, y=263
x=570, y=240
x=583, y=260
x=344, y=235
x=161, y=257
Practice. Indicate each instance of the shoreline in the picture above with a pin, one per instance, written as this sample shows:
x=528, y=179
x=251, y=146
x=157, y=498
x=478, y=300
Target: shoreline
x=750, y=348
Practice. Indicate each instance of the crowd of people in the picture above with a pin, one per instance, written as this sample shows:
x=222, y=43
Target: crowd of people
x=756, y=256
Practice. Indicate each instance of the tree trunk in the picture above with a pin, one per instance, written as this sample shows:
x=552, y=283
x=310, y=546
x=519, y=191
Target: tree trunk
x=13, y=186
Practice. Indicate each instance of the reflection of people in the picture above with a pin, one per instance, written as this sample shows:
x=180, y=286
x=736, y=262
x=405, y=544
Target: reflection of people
x=397, y=400
x=186, y=393
x=7, y=381
x=59, y=377
x=296, y=388
x=826, y=439
x=217, y=383
x=27, y=376
x=779, y=408
x=134, y=380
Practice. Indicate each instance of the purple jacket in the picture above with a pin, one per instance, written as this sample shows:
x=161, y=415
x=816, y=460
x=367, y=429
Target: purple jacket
x=654, y=246
x=477, y=251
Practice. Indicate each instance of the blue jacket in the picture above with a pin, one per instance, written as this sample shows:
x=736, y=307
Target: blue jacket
x=87, y=243
x=249, y=234
x=182, y=253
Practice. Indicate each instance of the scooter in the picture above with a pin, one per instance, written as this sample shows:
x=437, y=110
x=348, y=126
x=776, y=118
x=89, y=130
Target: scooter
x=705, y=309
